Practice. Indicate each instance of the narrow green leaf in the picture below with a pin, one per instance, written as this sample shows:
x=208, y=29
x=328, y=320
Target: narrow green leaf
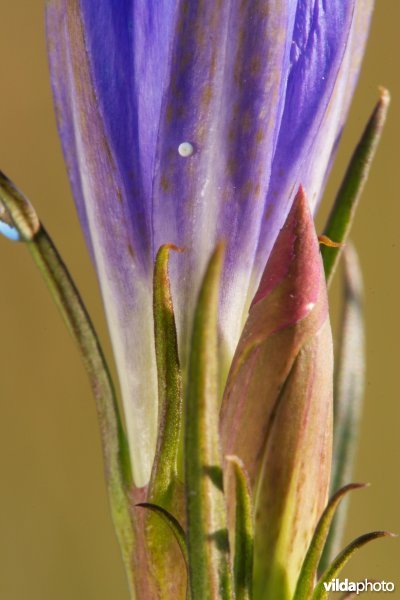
x=170, y=406
x=244, y=532
x=320, y=592
x=348, y=393
x=165, y=489
x=342, y=214
x=305, y=583
x=208, y=544
x=66, y=296
x=172, y=523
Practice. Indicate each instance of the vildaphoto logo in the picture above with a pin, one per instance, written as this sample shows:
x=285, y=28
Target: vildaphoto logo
x=358, y=587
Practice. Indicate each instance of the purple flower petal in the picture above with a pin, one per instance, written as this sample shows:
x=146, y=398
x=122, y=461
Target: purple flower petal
x=312, y=119
x=225, y=97
x=250, y=87
x=123, y=266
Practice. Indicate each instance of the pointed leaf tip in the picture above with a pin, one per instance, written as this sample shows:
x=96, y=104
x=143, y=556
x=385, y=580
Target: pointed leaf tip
x=342, y=214
x=384, y=98
x=321, y=592
x=172, y=247
x=170, y=404
x=305, y=583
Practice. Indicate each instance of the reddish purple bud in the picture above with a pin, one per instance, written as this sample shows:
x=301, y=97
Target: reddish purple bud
x=277, y=408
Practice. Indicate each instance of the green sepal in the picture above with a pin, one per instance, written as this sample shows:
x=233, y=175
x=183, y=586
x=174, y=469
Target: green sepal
x=305, y=583
x=170, y=405
x=348, y=196
x=172, y=523
x=244, y=532
x=68, y=300
x=207, y=533
x=348, y=393
x=165, y=490
x=320, y=593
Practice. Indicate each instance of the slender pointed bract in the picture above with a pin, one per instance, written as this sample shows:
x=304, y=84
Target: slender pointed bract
x=308, y=573
x=207, y=532
x=133, y=81
x=348, y=392
x=165, y=490
x=244, y=532
x=347, y=199
x=23, y=218
x=320, y=593
x=165, y=466
x=277, y=409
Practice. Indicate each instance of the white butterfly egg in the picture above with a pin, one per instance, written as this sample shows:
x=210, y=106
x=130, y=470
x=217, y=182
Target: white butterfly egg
x=185, y=149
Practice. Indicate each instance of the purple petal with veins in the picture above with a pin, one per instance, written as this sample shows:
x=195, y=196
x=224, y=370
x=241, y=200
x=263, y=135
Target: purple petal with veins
x=253, y=89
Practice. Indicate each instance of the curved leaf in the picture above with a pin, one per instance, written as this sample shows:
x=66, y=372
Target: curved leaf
x=244, y=532
x=170, y=406
x=172, y=523
x=305, y=583
x=68, y=300
x=320, y=592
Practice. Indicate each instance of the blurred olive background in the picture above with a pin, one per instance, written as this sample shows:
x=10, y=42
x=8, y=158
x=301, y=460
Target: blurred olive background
x=56, y=538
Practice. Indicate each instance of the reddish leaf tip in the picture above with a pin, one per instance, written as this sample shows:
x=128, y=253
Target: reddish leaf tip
x=172, y=247
x=384, y=96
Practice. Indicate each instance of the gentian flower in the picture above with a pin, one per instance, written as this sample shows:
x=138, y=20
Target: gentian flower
x=209, y=129
x=186, y=123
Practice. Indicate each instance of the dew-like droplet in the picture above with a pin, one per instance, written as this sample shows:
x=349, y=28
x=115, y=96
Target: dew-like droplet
x=6, y=224
x=9, y=232
x=185, y=149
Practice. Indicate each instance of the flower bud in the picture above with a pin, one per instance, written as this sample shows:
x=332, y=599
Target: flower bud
x=277, y=409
